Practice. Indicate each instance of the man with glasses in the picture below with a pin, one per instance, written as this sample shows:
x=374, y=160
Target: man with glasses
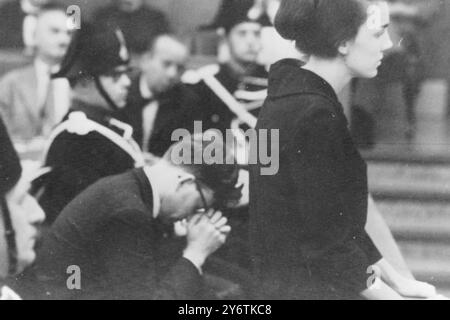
x=91, y=142
x=119, y=238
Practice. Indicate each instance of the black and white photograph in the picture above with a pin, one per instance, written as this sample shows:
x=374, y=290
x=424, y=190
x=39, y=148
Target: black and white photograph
x=224, y=154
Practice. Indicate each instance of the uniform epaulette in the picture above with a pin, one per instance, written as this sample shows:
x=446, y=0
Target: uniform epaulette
x=78, y=123
x=196, y=76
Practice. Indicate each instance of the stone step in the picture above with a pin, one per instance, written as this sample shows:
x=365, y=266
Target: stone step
x=407, y=153
x=429, y=262
x=411, y=220
x=410, y=182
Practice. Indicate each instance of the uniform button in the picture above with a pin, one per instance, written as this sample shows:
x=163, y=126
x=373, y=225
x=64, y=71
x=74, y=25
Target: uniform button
x=215, y=118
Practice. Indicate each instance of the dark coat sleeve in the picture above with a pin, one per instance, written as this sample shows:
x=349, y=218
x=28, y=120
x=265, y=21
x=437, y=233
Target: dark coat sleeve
x=333, y=205
x=10, y=168
x=132, y=266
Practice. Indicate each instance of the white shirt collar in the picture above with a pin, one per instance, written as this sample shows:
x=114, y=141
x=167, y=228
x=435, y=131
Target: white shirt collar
x=156, y=196
x=143, y=87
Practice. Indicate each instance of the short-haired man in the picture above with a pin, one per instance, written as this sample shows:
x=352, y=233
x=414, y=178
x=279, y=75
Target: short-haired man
x=232, y=92
x=116, y=239
x=155, y=104
x=31, y=103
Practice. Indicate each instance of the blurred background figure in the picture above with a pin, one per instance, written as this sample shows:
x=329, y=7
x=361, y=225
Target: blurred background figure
x=155, y=105
x=17, y=22
x=30, y=101
x=19, y=216
x=139, y=22
x=228, y=92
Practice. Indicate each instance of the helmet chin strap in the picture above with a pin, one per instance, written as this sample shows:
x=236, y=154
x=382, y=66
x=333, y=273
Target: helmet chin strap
x=104, y=94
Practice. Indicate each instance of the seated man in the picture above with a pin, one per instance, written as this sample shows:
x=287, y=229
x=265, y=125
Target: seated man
x=116, y=239
x=19, y=214
x=156, y=105
x=91, y=143
x=139, y=23
x=30, y=102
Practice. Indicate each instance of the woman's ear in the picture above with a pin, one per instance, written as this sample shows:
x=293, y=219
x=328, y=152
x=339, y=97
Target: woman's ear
x=344, y=48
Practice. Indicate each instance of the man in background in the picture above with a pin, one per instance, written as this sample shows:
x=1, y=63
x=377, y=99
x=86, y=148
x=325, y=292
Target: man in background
x=240, y=76
x=30, y=102
x=139, y=22
x=156, y=106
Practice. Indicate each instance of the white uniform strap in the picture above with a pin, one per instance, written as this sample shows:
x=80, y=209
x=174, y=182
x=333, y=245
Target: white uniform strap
x=207, y=74
x=230, y=101
x=78, y=123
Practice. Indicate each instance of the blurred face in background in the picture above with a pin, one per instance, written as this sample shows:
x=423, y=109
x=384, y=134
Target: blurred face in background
x=244, y=42
x=130, y=5
x=163, y=66
x=52, y=36
x=26, y=216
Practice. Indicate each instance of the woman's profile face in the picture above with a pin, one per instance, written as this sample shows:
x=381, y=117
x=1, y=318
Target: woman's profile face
x=365, y=52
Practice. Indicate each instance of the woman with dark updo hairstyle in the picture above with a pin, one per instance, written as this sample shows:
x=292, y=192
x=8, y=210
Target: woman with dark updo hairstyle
x=308, y=221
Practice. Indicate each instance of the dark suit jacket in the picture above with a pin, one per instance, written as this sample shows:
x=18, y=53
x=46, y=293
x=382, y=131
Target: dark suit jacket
x=174, y=107
x=10, y=168
x=80, y=160
x=109, y=232
x=308, y=221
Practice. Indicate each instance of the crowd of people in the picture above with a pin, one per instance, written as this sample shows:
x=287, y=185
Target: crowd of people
x=125, y=220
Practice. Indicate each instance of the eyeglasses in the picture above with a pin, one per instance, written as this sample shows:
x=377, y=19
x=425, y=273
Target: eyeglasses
x=205, y=208
x=10, y=235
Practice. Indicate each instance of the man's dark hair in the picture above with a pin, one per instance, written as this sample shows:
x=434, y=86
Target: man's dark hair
x=319, y=27
x=221, y=178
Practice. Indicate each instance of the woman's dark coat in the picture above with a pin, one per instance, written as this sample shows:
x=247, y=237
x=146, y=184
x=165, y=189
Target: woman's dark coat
x=308, y=221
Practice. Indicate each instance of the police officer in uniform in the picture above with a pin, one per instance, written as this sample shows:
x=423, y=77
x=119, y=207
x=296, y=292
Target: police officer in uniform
x=91, y=142
x=230, y=93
